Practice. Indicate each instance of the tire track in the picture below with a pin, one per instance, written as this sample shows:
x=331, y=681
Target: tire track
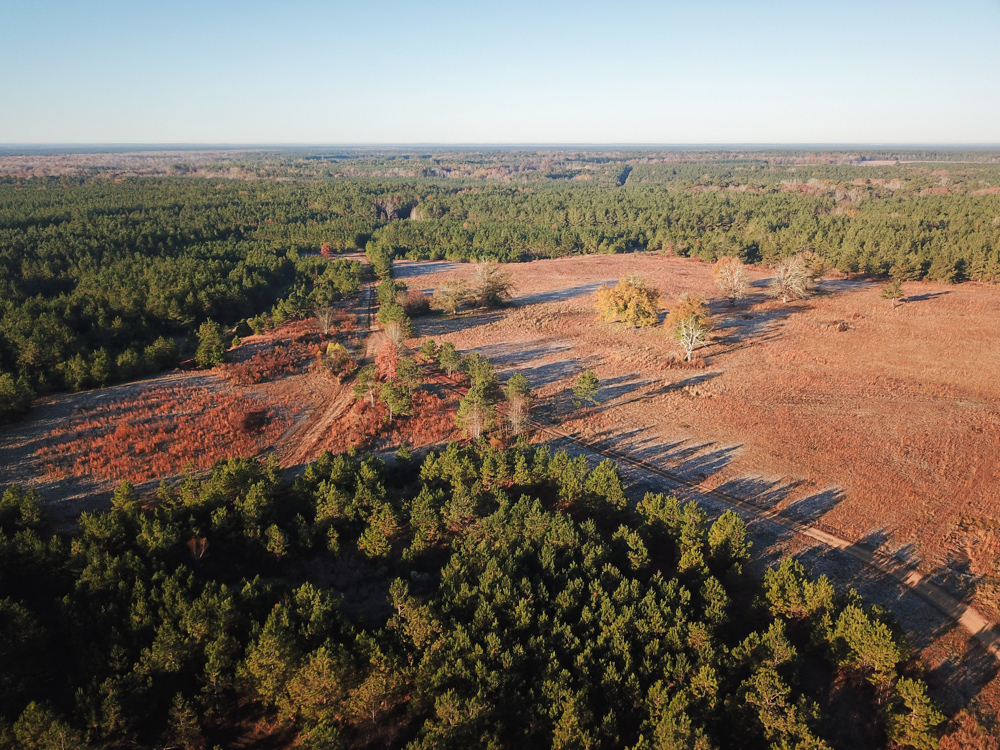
x=304, y=439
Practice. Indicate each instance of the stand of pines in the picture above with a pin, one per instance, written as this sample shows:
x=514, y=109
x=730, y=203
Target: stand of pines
x=585, y=389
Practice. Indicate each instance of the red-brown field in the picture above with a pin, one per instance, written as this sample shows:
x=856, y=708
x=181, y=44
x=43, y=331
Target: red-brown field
x=270, y=398
x=157, y=432
x=883, y=423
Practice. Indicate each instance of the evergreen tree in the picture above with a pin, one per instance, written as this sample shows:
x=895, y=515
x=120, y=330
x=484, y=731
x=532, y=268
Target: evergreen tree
x=585, y=389
x=893, y=291
x=448, y=358
x=211, y=345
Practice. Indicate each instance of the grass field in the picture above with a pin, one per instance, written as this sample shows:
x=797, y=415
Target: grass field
x=884, y=423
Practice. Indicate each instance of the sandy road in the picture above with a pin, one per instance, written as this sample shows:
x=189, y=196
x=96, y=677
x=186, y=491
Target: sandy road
x=300, y=443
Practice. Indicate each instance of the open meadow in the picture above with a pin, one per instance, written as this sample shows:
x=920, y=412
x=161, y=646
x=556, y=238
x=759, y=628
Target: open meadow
x=884, y=423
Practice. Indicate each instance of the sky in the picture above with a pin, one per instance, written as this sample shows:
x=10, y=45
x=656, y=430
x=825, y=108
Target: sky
x=541, y=72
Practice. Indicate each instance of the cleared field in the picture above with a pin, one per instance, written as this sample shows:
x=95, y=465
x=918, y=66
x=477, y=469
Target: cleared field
x=881, y=424
x=269, y=400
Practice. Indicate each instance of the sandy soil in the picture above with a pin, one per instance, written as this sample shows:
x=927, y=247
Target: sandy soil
x=884, y=423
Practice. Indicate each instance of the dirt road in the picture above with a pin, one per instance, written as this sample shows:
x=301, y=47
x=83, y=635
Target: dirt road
x=303, y=441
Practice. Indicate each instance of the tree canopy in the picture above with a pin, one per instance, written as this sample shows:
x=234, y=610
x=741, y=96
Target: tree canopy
x=501, y=598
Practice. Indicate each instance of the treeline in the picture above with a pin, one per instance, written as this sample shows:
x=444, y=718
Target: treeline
x=484, y=598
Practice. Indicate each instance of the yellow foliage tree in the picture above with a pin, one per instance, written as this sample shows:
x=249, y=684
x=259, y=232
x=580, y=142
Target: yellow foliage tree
x=632, y=301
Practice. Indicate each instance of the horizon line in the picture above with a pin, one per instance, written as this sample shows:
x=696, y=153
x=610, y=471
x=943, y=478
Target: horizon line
x=191, y=145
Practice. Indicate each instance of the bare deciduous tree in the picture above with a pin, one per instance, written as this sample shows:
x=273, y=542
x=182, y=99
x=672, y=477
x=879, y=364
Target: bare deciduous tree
x=731, y=277
x=519, y=401
x=690, y=323
x=691, y=332
x=325, y=315
x=397, y=331
x=793, y=279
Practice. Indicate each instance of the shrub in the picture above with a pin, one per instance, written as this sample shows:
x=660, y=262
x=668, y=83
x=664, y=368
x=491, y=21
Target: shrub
x=632, y=301
x=417, y=304
x=267, y=365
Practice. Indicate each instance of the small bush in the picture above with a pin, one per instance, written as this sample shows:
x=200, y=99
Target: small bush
x=417, y=304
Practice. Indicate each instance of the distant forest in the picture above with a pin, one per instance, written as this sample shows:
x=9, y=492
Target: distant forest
x=107, y=262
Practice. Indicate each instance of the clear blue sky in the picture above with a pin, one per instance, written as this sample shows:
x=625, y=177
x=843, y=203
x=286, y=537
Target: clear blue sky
x=145, y=71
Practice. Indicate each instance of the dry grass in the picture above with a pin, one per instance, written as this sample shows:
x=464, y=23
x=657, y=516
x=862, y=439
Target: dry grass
x=889, y=420
x=157, y=432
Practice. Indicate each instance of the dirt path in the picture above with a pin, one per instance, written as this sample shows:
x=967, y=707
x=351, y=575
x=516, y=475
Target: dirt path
x=300, y=444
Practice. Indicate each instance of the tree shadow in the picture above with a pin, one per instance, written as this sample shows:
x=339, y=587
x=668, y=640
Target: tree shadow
x=810, y=509
x=559, y=406
x=704, y=465
x=614, y=388
x=413, y=269
x=956, y=575
x=510, y=355
x=441, y=325
x=688, y=382
x=755, y=325
x=559, y=295
x=759, y=491
x=923, y=297
x=836, y=286
x=551, y=372
x=686, y=459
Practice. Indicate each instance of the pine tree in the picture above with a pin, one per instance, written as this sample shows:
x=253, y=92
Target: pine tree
x=893, y=291
x=451, y=295
x=397, y=397
x=585, y=389
x=448, y=358
x=366, y=384
x=493, y=284
x=211, y=345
